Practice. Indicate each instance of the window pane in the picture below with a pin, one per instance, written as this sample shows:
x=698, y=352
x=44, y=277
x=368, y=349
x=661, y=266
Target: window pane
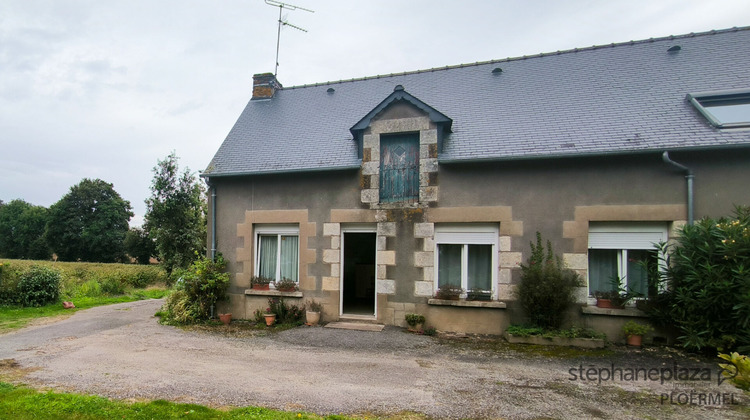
x=449, y=264
x=480, y=267
x=728, y=114
x=602, y=269
x=289, y=257
x=637, y=273
x=267, y=256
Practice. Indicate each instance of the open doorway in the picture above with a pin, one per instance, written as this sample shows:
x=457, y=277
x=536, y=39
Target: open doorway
x=358, y=269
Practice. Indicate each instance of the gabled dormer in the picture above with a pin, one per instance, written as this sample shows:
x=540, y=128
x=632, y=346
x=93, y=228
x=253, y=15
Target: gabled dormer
x=399, y=141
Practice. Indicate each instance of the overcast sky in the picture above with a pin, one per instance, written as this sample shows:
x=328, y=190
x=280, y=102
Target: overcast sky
x=106, y=88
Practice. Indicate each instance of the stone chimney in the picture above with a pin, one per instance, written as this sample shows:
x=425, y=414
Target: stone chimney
x=265, y=85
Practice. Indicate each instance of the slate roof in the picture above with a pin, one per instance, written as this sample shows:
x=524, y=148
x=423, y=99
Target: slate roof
x=619, y=98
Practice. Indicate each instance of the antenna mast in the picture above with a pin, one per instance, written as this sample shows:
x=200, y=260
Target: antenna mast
x=282, y=22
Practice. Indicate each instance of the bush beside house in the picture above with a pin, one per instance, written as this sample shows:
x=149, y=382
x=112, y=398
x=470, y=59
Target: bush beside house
x=705, y=284
x=547, y=288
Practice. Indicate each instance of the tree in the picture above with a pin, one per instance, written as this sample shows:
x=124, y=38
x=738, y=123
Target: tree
x=176, y=214
x=89, y=223
x=22, y=231
x=139, y=245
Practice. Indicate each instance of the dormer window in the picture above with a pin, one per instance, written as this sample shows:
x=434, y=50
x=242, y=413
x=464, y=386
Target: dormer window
x=724, y=109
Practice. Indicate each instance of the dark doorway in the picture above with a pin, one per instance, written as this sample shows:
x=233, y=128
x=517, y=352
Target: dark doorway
x=359, y=273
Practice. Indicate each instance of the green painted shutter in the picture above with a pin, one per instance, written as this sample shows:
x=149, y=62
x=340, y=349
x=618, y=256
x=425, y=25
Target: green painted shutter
x=399, y=168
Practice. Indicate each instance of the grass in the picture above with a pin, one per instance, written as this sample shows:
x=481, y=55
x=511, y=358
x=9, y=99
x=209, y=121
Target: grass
x=15, y=317
x=19, y=402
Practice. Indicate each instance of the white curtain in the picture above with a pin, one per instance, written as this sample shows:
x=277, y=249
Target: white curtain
x=602, y=269
x=289, y=257
x=449, y=264
x=480, y=267
x=267, y=256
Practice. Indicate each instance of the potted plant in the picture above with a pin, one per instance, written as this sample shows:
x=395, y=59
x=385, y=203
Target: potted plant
x=225, y=318
x=479, y=294
x=313, y=312
x=286, y=285
x=270, y=317
x=415, y=321
x=260, y=282
x=617, y=297
x=634, y=332
x=449, y=292
x=604, y=298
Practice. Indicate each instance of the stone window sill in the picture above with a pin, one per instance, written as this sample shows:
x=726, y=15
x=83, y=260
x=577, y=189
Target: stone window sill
x=254, y=292
x=468, y=303
x=593, y=310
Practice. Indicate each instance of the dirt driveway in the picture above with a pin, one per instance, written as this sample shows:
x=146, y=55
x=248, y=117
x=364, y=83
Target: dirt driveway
x=120, y=351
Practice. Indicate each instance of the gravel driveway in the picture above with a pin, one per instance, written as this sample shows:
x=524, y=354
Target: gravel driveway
x=121, y=351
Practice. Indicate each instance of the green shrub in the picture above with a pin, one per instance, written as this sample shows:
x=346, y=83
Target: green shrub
x=705, y=287
x=178, y=309
x=547, y=289
x=89, y=289
x=197, y=291
x=737, y=370
x=38, y=286
x=112, y=287
x=414, y=319
x=285, y=314
x=8, y=283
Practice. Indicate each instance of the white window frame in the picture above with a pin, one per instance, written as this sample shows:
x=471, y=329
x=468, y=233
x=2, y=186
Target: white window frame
x=624, y=236
x=279, y=231
x=467, y=234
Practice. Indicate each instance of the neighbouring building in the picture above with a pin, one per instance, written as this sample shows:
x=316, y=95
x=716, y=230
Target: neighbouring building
x=371, y=193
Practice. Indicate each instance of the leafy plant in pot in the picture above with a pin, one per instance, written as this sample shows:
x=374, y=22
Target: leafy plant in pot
x=415, y=321
x=479, y=294
x=617, y=297
x=286, y=285
x=270, y=317
x=634, y=332
x=449, y=292
x=313, y=312
x=260, y=282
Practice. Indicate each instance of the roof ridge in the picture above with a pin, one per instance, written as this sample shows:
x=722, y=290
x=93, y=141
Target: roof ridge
x=509, y=59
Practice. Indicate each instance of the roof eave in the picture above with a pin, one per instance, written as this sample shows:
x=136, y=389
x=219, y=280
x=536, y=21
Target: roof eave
x=279, y=171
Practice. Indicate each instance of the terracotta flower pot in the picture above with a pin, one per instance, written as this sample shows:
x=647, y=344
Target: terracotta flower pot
x=604, y=303
x=270, y=319
x=264, y=286
x=635, y=340
x=225, y=318
x=416, y=327
x=312, y=317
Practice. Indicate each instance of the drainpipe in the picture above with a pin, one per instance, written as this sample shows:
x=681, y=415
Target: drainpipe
x=213, y=218
x=689, y=177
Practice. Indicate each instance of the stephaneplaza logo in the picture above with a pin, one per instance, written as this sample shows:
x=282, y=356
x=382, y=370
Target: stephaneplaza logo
x=591, y=373
x=662, y=374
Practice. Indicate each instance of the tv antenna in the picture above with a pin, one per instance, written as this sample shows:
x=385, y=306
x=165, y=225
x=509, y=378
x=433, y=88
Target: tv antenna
x=283, y=22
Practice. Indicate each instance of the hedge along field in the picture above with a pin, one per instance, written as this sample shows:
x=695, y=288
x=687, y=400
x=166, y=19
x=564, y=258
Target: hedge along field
x=79, y=279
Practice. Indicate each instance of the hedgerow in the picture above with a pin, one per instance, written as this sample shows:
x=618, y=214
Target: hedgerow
x=79, y=279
